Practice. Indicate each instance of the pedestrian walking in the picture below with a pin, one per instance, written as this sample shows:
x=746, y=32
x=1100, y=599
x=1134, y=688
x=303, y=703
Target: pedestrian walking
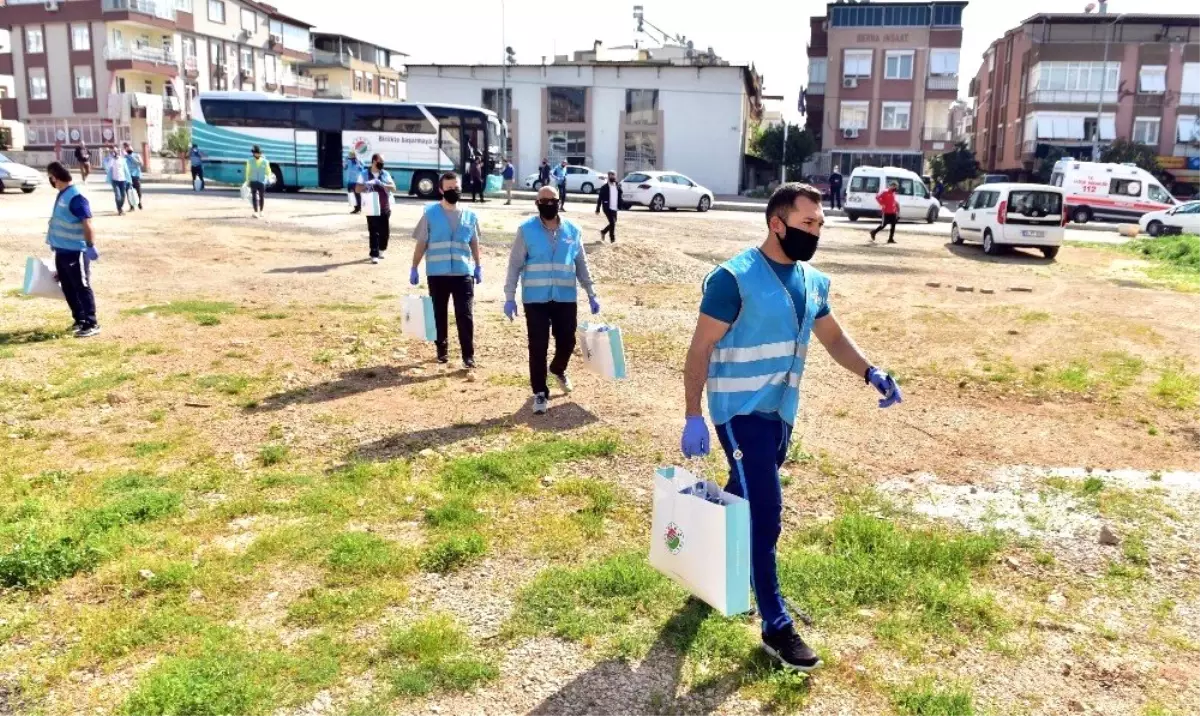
x=134, y=163
x=448, y=239
x=83, y=157
x=71, y=238
x=609, y=198
x=376, y=179
x=116, y=170
x=196, y=158
x=891, y=211
x=548, y=258
x=748, y=352
x=256, y=172
x=835, y=189
x=939, y=188
x=544, y=173
x=560, y=179
x=352, y=170
x=475, y=179
x=509, y=175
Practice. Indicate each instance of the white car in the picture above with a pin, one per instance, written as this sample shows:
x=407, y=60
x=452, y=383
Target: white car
x=1006, y=215
x=18, y=176
x=664, y=190
x=912, y=196
x=580, y=179
x=1185, y=218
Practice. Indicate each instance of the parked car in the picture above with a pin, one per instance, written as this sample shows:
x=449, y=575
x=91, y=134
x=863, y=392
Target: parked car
x=579, y=179
x=916, y=203
x=1184, y=219
x=664, y=190
x=18, y=176
x=820, y=182
x=1008, y=215
x=995, y=179
x=1106, y=191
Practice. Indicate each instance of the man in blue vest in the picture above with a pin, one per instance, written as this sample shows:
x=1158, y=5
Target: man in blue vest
x=758, y=312
x=352, y=170
x=70, y=236
x=560, y=178
x=134, y=164
x=448, y=239
x=196, y=159
x=509, y=174
x=548, y=258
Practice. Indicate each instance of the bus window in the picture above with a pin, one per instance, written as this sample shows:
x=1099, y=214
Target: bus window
x=224, y=114
x=319, y=116
x=451, y=143
x=406, y=120
x=363, y=118
x=473, y=134
x=493, y=138
x=269, y=114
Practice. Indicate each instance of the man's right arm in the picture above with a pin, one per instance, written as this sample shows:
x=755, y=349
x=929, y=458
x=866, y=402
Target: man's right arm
x=695, y=371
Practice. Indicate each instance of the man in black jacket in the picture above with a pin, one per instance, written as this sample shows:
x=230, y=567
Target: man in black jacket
x=609, y=199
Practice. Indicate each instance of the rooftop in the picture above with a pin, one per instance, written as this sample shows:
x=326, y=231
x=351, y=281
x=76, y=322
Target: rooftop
x=317, y=34
x=1085, y=18
x=273, y=12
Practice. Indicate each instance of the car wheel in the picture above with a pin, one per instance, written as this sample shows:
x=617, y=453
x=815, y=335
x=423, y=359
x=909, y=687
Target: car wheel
x=587, y=188
x=1, y=187
x=851, y=217
x=537, y=184
x=705, y=204
x=27, y=190
x=1154, y=228
x=657, y=203
x=1050, y=251
x=956, y=235
x=1081, y=215
x=425, y=185
x=932, y=215
x=624, y=206
x=989, y=244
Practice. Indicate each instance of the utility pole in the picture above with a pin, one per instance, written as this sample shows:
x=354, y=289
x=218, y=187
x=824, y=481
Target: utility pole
x=783, y=163
x=503, y=89
x=1109, y=31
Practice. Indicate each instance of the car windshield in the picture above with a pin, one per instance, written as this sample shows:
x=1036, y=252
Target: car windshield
x=1030, y=203
x=636, y=177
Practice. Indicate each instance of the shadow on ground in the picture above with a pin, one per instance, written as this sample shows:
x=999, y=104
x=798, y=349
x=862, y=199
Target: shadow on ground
x=317, y=268
x=360, y=380
x=28, y=336
x=1009, y=256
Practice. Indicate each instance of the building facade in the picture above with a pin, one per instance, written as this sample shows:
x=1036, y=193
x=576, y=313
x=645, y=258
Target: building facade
x=1059, y=81
x=882, y=78
x=612, y=115
x=345, y=68
x=125, y=70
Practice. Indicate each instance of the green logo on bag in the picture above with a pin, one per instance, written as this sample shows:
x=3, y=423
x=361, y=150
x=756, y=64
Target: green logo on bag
x=673, y=538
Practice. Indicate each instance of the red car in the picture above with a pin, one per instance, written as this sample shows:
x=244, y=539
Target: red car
x=819, y=181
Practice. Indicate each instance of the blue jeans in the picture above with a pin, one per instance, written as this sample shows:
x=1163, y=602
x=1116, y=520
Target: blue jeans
x=119, y=190
x=755, y=447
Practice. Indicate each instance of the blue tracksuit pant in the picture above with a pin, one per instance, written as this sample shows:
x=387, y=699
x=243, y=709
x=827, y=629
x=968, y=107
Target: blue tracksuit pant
x=756, y=446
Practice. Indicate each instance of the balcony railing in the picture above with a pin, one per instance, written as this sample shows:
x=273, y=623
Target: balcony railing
x=816, y=88
x=164, y=9
x=941, y=82
x=287, y=80
x=190, y=64
x=322, y=57
x=334, y=91
x=1072, y=96
x=1189, y=99
x=938, y=134
x=156, y=55
x=171, y=104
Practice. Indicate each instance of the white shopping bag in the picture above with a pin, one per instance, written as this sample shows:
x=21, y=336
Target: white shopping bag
x=603, y=350
x=196, y=184
x=39, y=279
x=372, y=203
x=702, y=545
x=246, y=192
x=418, y=318
x=135, y=199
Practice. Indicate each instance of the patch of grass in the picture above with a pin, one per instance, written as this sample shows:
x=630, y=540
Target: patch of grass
x=344, y=307
x=227, y=384
x=453, y=553
x=132, y=507
x=432, y=656
x=1034, y=316
x=457, y=512
x=517, y=468
x=1176, y=387
x=206, y=319
x=272, y=454
x=601, y=501
x=1091, y=485
x=104, y=381
x=191, y=309
x=1179, y=251
x=925, y=697
x=147, y=449
x=40, y=558
x=270, y=316
x=508, y=380
x=324, y=357
x=355, y=555
x=320, y=606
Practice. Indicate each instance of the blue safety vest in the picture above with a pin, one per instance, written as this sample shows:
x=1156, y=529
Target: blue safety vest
x=448, y=252
x=135, y=166
x=549, y=273
x=66, y=229
x=351, y=171
x=756, y=367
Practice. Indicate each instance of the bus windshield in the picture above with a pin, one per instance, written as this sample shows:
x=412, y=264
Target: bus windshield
x=494, y=136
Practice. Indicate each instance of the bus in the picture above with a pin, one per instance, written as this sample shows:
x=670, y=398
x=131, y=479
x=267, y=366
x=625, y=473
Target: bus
x=306, y=141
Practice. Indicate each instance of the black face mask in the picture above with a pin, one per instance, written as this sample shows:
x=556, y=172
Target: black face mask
x=451, y=196
x=798, y=244
x=548, y=211
x=380, y=166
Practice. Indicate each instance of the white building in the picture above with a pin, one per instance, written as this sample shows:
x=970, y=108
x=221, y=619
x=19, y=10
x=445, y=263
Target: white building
x=621, y=116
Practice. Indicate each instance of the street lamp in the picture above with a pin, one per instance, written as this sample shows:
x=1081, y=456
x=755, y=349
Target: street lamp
x=1108, y=33
x=510, y=58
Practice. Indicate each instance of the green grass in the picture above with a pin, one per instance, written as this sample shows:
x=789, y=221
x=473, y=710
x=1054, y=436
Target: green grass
x=207, y=319
x=457, y=512
x=344, y=307
x=357, y=555
x=1175, y=260
x=150, y=448
x=270, y=316
x=435, y=656
x=453, y=553
x=273, y=454
x=104, y=381
x=227, y=384
x=601, y=500
x=516, y=469
x=1176, y=387
x=320, y=606
x=204, y=313
x=925, y=697
x=40, y=558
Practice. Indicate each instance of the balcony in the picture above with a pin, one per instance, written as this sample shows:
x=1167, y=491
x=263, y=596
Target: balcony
x=172, y=107
x=191, y=68
x=334, y=91
x=1148, y=100
x=938, y=134
x=163, y=10
x=816, y=88
x=331, y=59
x=1072, y=97
x=153, y=60
x=942, y=82
x=1189, y=99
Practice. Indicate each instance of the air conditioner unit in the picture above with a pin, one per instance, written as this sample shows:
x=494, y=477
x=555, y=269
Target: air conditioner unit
x=850, y=133
x=52, y=5
x=247, y=74
x=244, y=35
x=276, y=39
x=849, y=82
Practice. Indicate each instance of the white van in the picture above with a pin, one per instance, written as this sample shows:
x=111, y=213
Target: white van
x=1007, y=215
x=916, y=203
x=1116, y=192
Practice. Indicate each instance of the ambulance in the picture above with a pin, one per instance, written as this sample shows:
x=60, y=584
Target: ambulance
x=1109, y=192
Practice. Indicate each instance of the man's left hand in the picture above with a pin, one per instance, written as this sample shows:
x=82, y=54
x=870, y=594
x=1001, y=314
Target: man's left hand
x=887, y=387
x=478, y=274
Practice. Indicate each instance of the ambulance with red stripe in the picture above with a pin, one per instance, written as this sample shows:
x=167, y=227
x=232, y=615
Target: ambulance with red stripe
x=1109, y=192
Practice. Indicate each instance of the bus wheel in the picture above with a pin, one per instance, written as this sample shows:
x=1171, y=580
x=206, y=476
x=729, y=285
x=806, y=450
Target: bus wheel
x=278, y=185
x=1081, y=215
x=425, y=185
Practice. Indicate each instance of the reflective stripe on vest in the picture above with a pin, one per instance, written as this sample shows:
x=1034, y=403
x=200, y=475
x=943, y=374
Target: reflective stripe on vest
x=448, y=252
x=66, y=229
x=549, y=272
x=758, y=364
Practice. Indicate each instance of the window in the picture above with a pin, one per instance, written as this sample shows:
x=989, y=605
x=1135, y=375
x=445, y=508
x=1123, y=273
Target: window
x=641, y=152
x=370, y=83
x=818, y=70
x=81, y=38
x=1125, y=187
x=1157, y=193
x=149, y=86
x=991, y=60
x=365, y=117
x=1145, y=130
x=492, y=100
x=569, y=145
x=857, y=63
x=35, y=43
x=188, y=44
x=275, y=27
x=896, y=115
x=358, y=81
x=216, y=11
x=406, y=120
x=898, y=65
x=83, y=82
x=1035, y=203
x=319, y=116
x=864, y=184
x=249, y=21
x=855, y=115
x=1187, y=128
x=1191, y=78
x=247, y=57
x=641, y=106
x=1077, y=126
x=568, y=105
x=985, y=199
x=943, y=62
x=904, y=186
x=1076, y=76
x=270, y=69
x=37, y=83
x=1152, y=79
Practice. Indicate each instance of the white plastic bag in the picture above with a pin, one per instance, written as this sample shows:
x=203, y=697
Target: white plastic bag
x=603, y=350
x=39, y=279
x=135, y=199
x=700, y=537
x=372, y=203
x=246, y=192
x=418, y=318
x=196, y=184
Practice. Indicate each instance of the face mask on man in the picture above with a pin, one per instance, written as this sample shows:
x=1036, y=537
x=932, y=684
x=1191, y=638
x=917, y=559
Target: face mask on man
x=548, y=210
x=451, y=196
x=379, y=165
x=798, y=244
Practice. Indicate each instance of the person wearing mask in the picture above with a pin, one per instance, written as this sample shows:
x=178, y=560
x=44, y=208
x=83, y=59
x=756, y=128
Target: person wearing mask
x=548, y=258
x=116, y=169
x=83, y=157
x=609, y=199
x=134, y=163
x=352, y=170
x=71, y=238
x=891, y=211
x=196, y=158
x=560, y=179
x=835, y=189
x=544, y=172
x=257, y=169
x=475, y=179
x=448, y=239
x=509, y=175
x=379, y=228
x=748, y=352
x=938, y=189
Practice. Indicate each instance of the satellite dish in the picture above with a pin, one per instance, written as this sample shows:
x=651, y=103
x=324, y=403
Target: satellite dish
x=1090, y=7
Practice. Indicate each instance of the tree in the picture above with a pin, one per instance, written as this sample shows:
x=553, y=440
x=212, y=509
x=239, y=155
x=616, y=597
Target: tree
x=1123, y=151
x=960, y=165
x=1046, y=165
x=937, y=168
x=768, y=144
x=179, y=142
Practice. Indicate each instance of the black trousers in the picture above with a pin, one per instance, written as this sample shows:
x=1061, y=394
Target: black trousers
x=379, y=231
x=541, y=321
x=611, y=229
x=137, y=186
x=462, y=290
x=198, y=173
x=477, y=190
x=835, y=198
x=258, y=194
x=357, y=197
x=75, y=277
x=562, y=195
x=887, y=220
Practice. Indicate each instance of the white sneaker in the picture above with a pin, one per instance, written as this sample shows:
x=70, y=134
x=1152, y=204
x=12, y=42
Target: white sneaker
x=563, y=382
x=374, y=259
x=254, y=214
x=382, y=255
x=540, y=404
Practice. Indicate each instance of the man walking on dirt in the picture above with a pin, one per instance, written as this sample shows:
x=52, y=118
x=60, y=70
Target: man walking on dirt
x=749, y=352
x=83, y=157
x=891, y=211
x=74, y=243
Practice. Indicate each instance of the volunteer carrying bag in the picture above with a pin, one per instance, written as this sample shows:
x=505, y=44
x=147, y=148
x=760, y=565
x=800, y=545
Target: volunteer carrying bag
x=418, y=318
x=700, y=537
x=603, y=350
x=39, y=279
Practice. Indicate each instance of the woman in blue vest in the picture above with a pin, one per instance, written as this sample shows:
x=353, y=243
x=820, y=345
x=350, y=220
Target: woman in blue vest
x=758, y=312
x=448, y=239
x=352, y=169
x=548, y=258
x=74, y=245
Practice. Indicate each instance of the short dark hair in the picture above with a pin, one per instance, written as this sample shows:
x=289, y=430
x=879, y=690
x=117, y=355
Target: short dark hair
x=783, y=198
x=448, y=176
x=58, y=171
x=255, y=150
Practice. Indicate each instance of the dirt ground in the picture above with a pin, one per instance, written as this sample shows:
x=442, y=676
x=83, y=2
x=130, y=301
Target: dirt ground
x=1005, y=362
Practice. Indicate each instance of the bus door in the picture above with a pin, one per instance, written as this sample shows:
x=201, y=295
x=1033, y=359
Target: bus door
x=451, y=142
x=330, y=157
x=325, y=121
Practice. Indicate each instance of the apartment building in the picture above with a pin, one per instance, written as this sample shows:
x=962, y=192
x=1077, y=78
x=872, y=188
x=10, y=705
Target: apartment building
x=1057, y=81
x=882, y=78
x=125, y=70
x=345, y=68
